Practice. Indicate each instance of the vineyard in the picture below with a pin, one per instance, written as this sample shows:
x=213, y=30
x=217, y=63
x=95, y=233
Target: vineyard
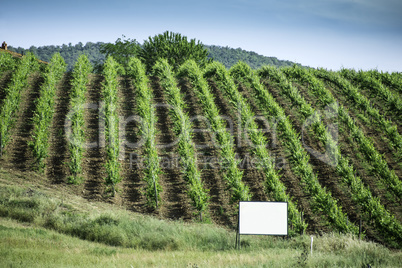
x=189, y=143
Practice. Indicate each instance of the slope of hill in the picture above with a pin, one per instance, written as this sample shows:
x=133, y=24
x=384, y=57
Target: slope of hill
x=228, y=56
x=47, y=225
x=294, y=133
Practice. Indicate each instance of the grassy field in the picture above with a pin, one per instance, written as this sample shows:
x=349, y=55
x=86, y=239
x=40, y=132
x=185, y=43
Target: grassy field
x=43, y=227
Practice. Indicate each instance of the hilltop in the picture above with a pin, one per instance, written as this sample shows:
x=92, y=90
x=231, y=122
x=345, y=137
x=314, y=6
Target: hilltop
x=226, y=55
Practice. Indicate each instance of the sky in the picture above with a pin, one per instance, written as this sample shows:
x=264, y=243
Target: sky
x=333, y=34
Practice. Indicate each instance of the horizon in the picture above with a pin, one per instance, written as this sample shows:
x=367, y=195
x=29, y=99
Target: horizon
x=330, y=34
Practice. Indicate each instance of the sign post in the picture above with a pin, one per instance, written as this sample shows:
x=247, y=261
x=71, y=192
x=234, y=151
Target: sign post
x=262, y=218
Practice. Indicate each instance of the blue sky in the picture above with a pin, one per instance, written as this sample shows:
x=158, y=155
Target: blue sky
x=328, y=33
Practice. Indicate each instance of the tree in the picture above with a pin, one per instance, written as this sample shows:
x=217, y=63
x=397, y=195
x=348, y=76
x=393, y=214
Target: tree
x=173, y=47
x=121, y=50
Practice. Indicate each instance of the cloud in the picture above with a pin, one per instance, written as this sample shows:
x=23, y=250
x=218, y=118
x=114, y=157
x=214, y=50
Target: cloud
x=362, y=13
x=351, y=15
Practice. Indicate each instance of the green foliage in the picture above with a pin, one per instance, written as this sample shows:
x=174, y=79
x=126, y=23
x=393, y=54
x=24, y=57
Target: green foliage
x=363, y=103
x=322, y=199
x=69, y=52
x=274, y=188
x=13, y=93
x=146, y=110
x=109, y=96
x=183, y=129
x=371, y=206
x=365, y=145
x=121, y=50
x=232, y=174
x=364, y=80
x=173, y=47
x=230, y=56
x=391, y=80
x=7, y=62
x=76, y=137
x=44, y=110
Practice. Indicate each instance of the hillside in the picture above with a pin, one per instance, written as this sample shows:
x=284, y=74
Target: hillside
x=47, y=225
x=282, y=138
x=227, y=56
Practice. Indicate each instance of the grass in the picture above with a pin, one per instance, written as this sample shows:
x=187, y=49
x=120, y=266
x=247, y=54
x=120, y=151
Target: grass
x=42, y=227
x=22, y=246
x=28, y=246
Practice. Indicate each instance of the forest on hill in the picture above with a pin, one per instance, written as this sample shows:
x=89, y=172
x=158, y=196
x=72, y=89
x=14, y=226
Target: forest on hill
x=226, y=55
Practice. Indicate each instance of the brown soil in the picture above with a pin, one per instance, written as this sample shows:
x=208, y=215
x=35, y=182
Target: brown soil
x=350, y=149
x=222, y=212
x=371, y=130
x=17, y=153
x=95, y=156
x=57, y=170
x=175, y=201
x=377, y=102
x=131, y=184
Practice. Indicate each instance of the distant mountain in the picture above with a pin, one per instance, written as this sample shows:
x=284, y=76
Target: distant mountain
x=226, y=55
x=230, y=56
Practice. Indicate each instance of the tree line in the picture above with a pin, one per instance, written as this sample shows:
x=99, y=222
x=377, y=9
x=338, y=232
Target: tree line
x=96, y=52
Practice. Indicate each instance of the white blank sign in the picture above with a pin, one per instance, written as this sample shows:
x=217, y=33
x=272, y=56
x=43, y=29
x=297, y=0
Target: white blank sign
x=263, y=218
